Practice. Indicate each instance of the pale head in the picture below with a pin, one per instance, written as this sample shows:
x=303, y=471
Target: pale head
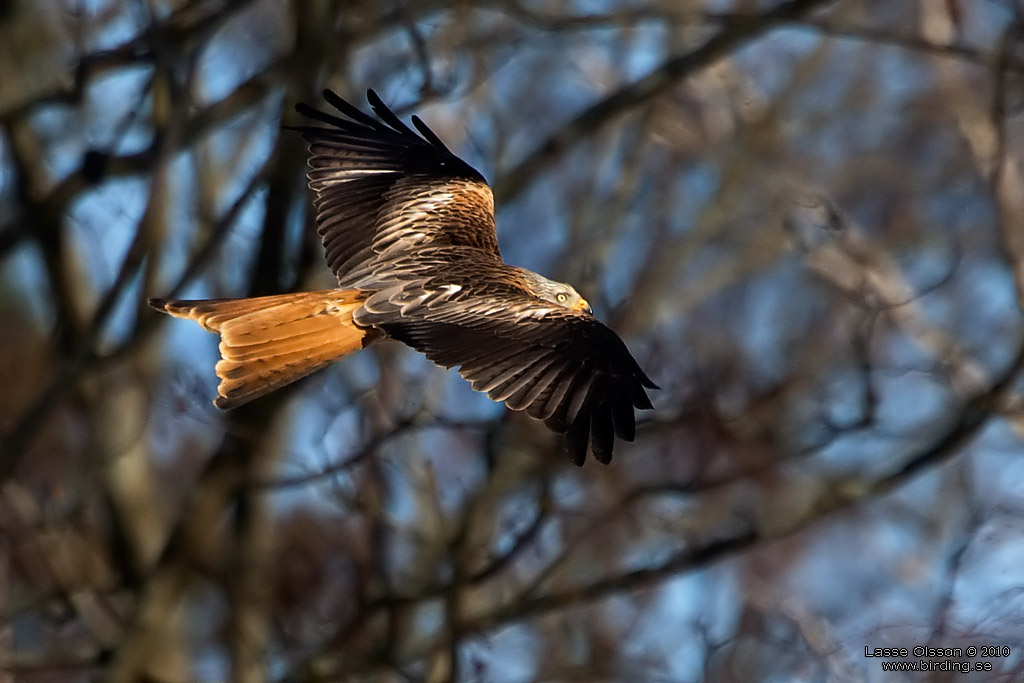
x=558, y=293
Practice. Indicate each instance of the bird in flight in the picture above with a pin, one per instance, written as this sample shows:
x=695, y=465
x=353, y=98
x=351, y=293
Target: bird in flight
x=408, y=229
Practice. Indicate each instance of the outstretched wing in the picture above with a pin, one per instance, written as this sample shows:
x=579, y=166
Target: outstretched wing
x=384, y=191
x=561, y=366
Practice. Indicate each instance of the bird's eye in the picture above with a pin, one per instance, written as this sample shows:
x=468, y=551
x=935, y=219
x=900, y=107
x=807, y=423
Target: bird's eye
x=562, y=297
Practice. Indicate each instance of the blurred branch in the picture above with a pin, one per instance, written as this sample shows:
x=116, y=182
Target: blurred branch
x=1006, y=173
x=247, y=94
x=67, y=563
x=85, y=355
x=982, y=124
x=756, y=135
x=521, y=541
x=845, y=257
x=182, y=31
x=639, y=92
x=685, y=15
x=915, y=43
x=690, y=559
x=43, y=223
x=617, y=18
x=830, y=499
x=400, y=428
x=159, y=608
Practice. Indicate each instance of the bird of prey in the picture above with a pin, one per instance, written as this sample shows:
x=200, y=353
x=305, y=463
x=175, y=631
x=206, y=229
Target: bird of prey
x=408, y=229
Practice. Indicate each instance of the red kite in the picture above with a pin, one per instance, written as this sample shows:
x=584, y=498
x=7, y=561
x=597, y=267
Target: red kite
x=408, y=228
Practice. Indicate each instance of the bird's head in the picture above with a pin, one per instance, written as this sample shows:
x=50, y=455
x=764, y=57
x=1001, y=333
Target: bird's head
x=560, y=294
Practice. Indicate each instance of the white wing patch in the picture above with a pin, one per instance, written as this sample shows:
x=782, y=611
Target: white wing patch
x=410, y=301
x=341, y=175
x=535, y=313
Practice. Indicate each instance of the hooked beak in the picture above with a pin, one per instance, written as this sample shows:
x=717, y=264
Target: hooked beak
x=584, y=307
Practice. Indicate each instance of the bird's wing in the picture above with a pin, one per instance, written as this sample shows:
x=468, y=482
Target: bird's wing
x=384, y=190
x=561, y=366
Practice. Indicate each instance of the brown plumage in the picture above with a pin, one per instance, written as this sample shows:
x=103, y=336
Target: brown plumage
x=269, y=341
x=408, y=229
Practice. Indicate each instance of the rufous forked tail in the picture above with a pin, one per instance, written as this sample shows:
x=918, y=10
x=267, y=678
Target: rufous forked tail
x=269, y=341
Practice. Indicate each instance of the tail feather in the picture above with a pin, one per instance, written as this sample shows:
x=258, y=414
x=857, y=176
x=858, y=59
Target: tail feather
x=248, y=339
x=270, y=341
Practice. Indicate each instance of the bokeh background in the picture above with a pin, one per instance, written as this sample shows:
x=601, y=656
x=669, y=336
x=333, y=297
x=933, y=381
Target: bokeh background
x=805, y=217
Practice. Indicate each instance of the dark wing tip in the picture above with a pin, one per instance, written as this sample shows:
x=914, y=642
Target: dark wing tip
x=350, y=110
x=423, y=150
x=305, y=109
x=355, y=121
x=158, y=304
x=385, y=114
x=576, y=439
x=623, y=417
x=598, y=410
x=634, y=388
x=426, y=132
x=641, y=376
x=645, y=402
x=602, y=434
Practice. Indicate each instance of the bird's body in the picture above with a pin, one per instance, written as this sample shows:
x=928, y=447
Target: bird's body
x=408, y=228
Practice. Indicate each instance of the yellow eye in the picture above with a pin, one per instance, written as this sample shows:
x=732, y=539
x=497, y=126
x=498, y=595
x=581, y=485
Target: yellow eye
x=562, y=297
